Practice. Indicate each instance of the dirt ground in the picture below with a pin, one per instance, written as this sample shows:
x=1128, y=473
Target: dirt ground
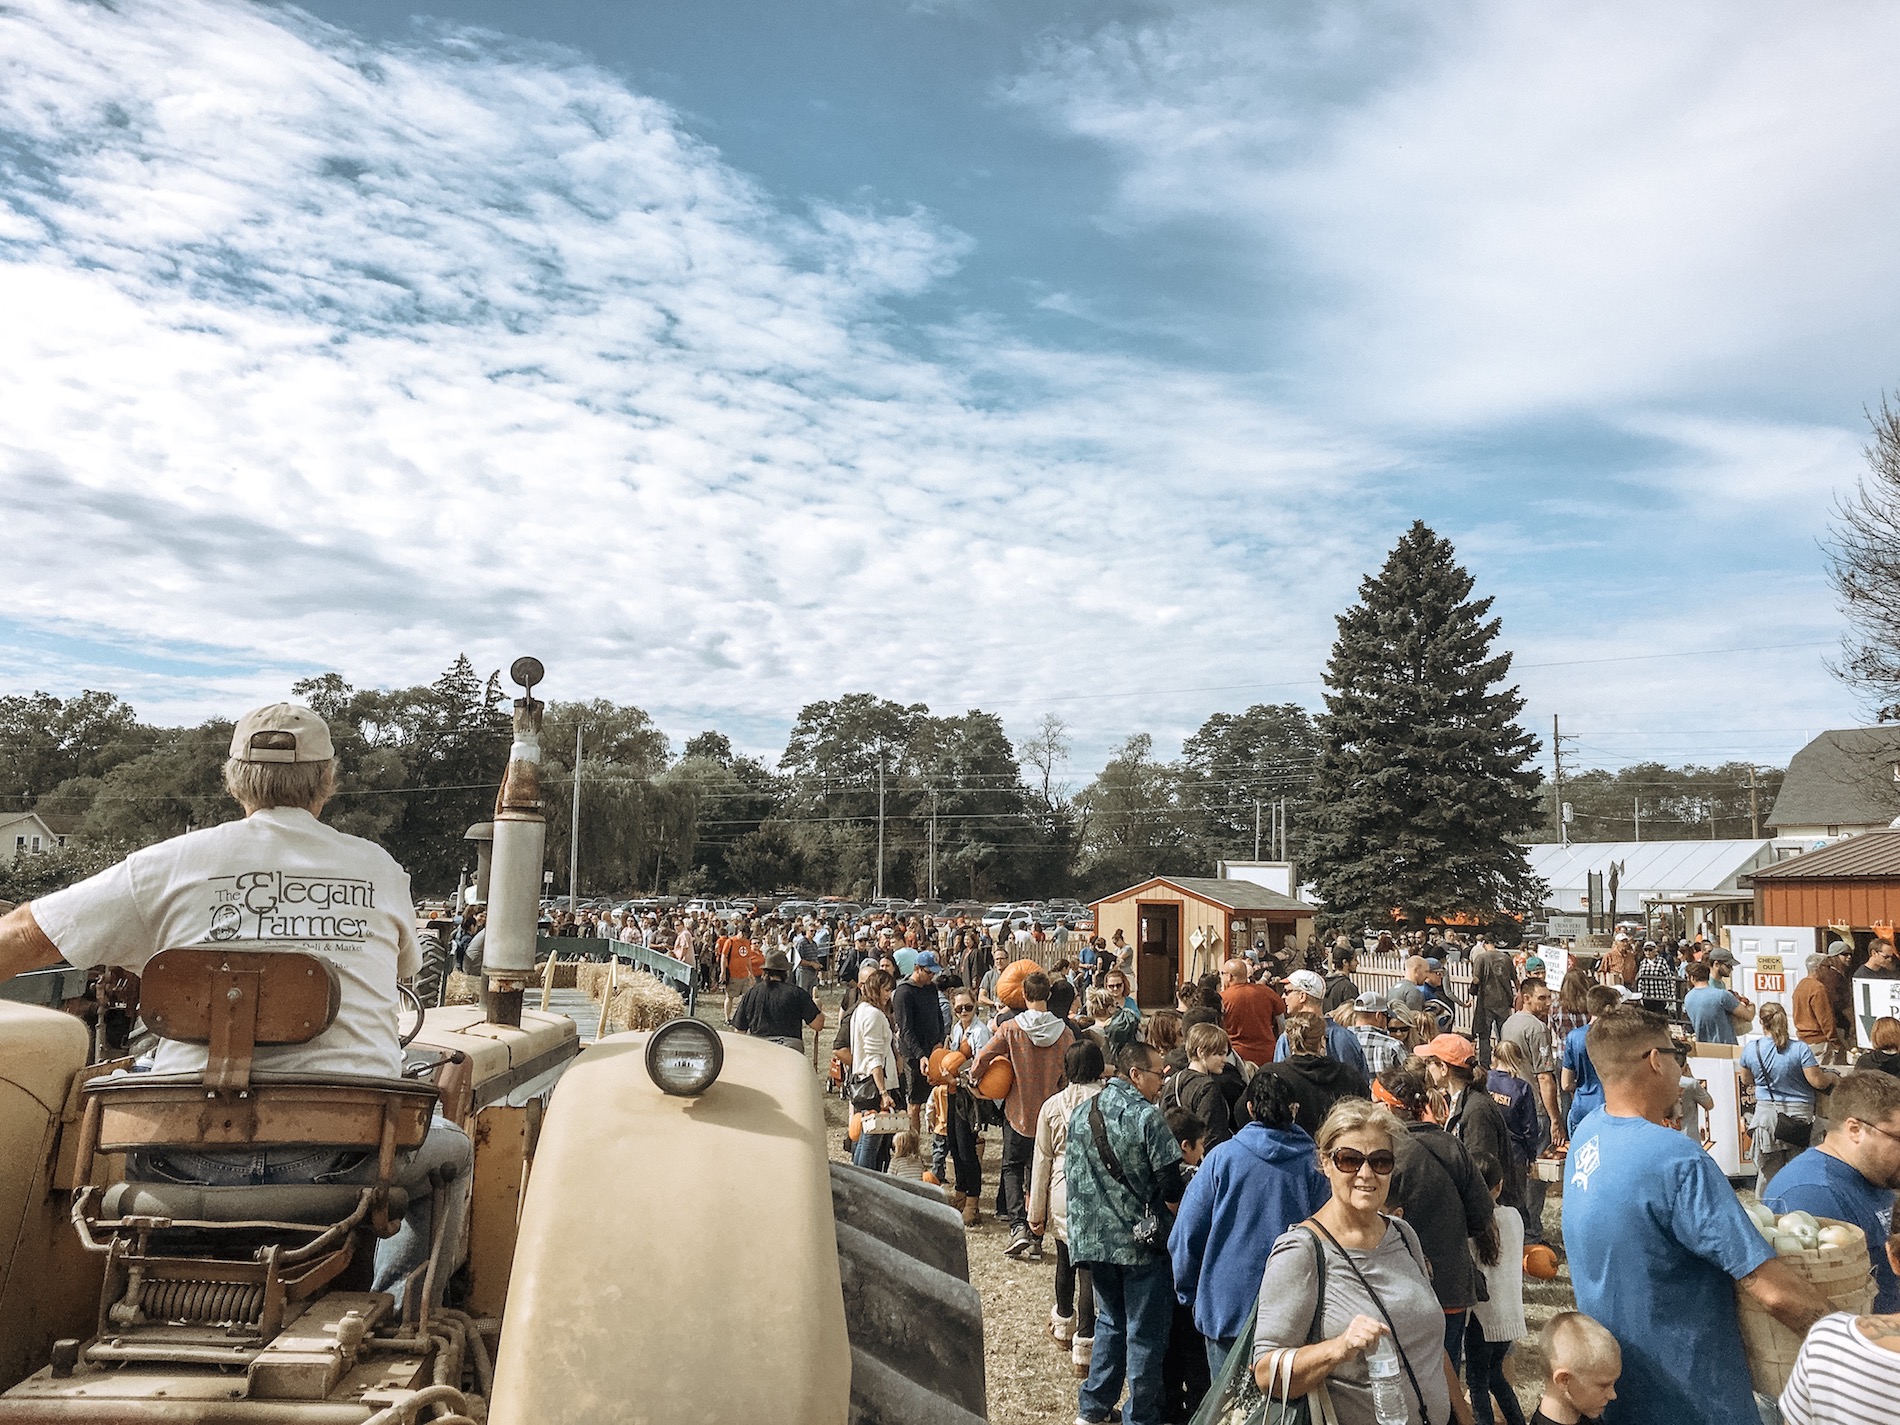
x=1030, y=1379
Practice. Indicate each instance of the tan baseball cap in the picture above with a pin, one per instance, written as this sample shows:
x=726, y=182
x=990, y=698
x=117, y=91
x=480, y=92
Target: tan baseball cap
x=281, y=732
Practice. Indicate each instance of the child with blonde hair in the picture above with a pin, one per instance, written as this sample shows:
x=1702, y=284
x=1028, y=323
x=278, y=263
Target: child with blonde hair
x=1581, y=1364
x=907, y=1159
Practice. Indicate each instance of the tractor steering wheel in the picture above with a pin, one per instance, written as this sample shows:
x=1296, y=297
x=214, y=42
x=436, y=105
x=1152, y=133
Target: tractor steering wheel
x=412, y=1003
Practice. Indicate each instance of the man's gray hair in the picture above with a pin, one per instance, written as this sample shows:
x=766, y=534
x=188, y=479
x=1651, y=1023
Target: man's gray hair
x=259, y=786
x=1814, y=962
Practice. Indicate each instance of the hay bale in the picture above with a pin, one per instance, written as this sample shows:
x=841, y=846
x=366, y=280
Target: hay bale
x=593, y=979
x=643, y=1001
x=462, y=989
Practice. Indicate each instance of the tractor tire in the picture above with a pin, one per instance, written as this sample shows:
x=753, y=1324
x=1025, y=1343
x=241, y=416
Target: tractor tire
x=914, y=1321
x=432, y=980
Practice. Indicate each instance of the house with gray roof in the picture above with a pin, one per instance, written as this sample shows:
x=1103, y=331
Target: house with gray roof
x=1844, y=782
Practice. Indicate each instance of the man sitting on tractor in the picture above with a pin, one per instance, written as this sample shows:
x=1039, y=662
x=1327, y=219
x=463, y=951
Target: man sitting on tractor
x=278, y=879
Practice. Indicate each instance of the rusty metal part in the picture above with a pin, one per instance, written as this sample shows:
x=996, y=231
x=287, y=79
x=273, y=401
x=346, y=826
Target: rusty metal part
x=409, y=1409
x=477, y=1347
x=207, y=1303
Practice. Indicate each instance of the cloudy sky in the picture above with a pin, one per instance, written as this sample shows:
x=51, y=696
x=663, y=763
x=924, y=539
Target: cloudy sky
x=1038, y=357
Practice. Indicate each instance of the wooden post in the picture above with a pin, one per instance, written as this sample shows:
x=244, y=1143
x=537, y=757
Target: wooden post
x=547, y=977
x=607, y=998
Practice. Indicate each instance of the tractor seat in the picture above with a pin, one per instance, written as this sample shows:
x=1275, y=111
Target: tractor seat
x=306, y=1205
x=233, y=1001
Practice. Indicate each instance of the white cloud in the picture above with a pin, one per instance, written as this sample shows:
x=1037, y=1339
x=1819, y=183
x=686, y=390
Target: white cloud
x=324, y=354
x=1489, y=211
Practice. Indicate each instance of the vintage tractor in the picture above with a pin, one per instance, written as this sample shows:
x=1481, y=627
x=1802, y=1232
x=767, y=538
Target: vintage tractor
x=654, y=1233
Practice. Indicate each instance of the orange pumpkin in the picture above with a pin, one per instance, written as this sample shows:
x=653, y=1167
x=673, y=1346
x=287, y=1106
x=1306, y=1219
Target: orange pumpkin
x=944, y=1066
x=856, y=1130
x=1009, y=984
x=1540, y=1262
x=997, y=1080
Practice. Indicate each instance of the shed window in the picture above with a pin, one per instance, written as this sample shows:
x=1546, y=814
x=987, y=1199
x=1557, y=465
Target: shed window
x=36, y=843
x=19, y=843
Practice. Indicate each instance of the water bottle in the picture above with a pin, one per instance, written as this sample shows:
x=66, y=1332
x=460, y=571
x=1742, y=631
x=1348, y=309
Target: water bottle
x=1388, y=1396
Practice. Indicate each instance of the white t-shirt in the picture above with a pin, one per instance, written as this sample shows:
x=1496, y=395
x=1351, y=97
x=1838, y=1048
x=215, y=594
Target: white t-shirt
x=277, y=880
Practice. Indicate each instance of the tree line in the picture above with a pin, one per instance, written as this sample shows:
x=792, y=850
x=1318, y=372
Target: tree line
x=1407, y=794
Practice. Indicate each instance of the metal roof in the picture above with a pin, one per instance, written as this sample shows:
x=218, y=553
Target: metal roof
x=1871, y=855
x=1845, y=777
x=1649, y=867
x=1229, y=894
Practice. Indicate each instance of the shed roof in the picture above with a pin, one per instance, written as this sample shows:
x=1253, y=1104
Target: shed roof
x=1873, y=855
x=1844, y=777
x=1217, y=890
x=1648, y=866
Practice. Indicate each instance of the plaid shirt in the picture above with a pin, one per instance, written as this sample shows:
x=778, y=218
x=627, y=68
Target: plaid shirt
x=1382, y=1051
x=1656, y=980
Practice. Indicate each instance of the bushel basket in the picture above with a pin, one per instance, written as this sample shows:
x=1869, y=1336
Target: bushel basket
x=1841, y=1274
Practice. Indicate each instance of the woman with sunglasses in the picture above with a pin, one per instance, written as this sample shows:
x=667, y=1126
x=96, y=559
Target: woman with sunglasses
x=966, y=1035
x=1375, y=1285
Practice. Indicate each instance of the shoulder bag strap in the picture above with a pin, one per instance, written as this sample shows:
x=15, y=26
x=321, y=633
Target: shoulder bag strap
x=1099, y=1131
x=1399, y=1346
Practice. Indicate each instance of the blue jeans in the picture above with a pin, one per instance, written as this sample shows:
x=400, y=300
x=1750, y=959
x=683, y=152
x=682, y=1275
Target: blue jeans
x=873, y=1151
x=1134, y=1311
x=445, y=1158
x=1217, y=1353
x=1455, y=1339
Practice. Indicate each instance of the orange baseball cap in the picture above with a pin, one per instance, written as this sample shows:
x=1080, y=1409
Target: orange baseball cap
x=1450, y=1049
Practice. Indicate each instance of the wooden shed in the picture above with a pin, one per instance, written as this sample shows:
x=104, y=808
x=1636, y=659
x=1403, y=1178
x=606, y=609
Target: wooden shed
x=1853, y=885
x=1182, y=927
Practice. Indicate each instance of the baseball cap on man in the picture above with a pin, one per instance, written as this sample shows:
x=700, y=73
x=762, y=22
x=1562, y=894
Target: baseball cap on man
x=1371, y=1002
x=1307, y=983
x=1450, y=1049
x=927, y=960
x=281, y=732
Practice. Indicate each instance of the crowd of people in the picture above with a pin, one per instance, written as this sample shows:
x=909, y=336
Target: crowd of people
x=1282, y=1180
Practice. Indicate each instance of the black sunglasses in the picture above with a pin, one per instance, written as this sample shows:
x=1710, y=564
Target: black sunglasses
x=1350, y=1160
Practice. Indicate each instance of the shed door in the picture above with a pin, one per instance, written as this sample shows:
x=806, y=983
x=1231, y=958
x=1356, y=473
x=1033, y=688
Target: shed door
x=1157, y=954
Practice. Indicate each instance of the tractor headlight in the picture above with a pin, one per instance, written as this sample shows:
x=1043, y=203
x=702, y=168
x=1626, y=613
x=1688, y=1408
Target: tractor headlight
x=684, y=1057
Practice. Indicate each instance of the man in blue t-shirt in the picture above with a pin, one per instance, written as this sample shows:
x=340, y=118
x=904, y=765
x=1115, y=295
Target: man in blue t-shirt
x=1851, y=1177
x=1710, y=1004
x=1579, y=1074
x=1657, y=1240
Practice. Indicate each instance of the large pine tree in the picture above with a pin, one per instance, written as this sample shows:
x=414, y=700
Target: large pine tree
x=1424, y=775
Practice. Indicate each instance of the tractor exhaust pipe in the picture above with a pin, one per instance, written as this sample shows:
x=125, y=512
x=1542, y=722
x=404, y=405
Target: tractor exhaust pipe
x=519, y=849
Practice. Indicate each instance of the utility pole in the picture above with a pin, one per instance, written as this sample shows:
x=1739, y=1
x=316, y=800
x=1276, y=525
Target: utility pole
x=574, y=834
x=1754, y=807
x=1557, y=778
x=1639, y=820
x=880, y=824
x=933, y=843
x=1256, y=828
x=1283, y=850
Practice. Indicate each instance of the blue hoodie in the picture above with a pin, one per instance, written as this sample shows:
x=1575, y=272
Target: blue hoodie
x=1248, y=1191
